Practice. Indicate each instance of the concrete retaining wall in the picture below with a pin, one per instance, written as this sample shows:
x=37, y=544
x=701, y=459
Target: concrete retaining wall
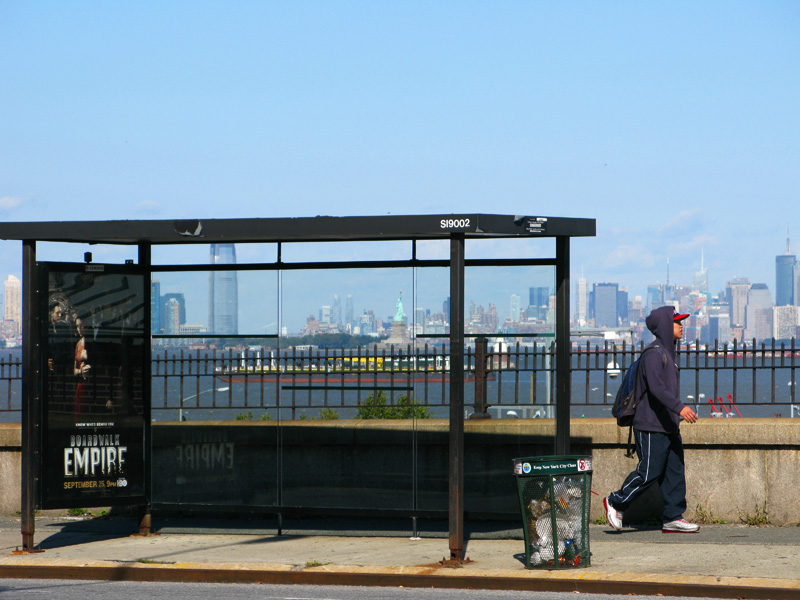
x=736, y=468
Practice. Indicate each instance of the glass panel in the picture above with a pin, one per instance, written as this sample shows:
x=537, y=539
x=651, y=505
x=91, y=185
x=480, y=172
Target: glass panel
x=515, y=308
x=345, y=251
x=345, y=443
x=214, y=400
x=76, y=253
x=500, y=248
x=198, y=254
x=431, y=324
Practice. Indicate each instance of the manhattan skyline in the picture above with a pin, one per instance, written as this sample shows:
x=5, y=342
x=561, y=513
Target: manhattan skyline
x=375, y=292
x=674, y=125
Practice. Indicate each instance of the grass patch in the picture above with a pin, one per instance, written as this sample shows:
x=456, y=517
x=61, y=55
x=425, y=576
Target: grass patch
x=759, y=517
x=315, y=563
x=704, y=516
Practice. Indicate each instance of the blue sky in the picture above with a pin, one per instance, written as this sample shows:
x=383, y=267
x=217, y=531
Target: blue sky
x=674, y=124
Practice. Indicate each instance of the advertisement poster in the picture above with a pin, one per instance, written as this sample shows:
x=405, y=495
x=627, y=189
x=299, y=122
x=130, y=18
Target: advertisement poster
x=94, y=410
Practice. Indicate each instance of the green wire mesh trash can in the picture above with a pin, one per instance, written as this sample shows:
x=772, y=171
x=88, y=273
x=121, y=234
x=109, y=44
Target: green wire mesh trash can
x=555, y=498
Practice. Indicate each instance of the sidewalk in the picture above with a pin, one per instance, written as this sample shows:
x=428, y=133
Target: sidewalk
x=724, y=561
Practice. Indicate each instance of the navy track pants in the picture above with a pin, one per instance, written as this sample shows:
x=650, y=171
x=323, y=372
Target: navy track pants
x=660, y=459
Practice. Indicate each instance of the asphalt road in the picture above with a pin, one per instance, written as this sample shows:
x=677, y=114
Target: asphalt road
x=29, y=589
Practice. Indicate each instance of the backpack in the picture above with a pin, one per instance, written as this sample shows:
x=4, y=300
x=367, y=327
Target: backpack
x=624, y=406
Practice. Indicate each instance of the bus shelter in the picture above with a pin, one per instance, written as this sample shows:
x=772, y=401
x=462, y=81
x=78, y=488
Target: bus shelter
x=69, y=460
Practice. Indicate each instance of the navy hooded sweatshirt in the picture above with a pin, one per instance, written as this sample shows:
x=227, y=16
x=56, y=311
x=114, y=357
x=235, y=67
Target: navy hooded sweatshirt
x=660, y=408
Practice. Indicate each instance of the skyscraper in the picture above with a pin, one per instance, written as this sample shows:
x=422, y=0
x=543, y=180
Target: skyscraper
x=622, y=305
x=655, y=296
x=12, y=292
x=737, y=291
x=172, y=316
x=223, y=292
x=168, y=320
x=784, y=322
x=515, y=307
x=700, y=279
x=349, y=316
x=539, y=298
x=582, y=301
x=606, y=296
x=758, y=315
x=337, y=311
x=155, y=306
x=785, y=273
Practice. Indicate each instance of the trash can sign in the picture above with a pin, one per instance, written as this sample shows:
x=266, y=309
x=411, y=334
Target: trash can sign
x=585, y=464
x=526, y=467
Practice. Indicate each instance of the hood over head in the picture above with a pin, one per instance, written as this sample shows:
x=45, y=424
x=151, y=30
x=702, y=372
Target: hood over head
x=660, y=324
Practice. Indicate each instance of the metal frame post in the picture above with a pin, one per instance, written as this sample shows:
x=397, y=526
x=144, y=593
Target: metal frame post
x=145, y=263
x=563, y=358
x=31, y=395
x=456, y=496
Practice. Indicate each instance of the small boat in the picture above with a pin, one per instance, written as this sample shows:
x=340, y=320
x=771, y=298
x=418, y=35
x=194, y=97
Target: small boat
x=613, y=370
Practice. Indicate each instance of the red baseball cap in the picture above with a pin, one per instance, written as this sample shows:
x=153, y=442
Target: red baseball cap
x=678, y=317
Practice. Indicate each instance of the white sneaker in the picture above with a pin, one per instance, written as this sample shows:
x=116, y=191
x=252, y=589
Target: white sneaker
x=679, y=526
x=613, y=516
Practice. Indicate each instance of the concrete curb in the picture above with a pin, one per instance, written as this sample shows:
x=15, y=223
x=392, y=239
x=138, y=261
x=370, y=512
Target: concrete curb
x=426, y=576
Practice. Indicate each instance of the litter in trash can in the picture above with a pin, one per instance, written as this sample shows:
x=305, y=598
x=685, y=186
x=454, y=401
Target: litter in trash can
x=555, y=499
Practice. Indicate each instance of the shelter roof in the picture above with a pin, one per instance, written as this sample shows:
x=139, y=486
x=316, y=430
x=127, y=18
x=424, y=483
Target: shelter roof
x=300, y=229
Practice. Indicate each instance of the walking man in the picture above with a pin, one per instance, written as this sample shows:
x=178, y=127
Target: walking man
x=656, y=429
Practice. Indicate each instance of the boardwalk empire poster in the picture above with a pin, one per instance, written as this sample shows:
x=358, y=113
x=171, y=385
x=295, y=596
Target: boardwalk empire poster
x=93, y=409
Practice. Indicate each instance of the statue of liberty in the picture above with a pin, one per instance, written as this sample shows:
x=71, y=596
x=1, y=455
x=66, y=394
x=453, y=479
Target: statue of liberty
x=398, y=315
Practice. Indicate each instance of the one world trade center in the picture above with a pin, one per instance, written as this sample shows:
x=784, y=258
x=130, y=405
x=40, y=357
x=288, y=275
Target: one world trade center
x=223, y=292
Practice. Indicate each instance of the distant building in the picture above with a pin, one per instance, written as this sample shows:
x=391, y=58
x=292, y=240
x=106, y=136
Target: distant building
x=516, y=308
x=785, y=277
x=581, y=302
x=326, y=314
x=758, y=314
x=12, y=293
x=622, y=306
x=719, y=326
x=172, y=316
x=539, y=300
x=655, y=297
x=606, y=296
x=700, y=278
x=737, y=291
x=784, y=322
x=223, y=292
x=168, y=319
x=336, y=310
x=366, y=323
x=155, y=306
x=349, y=315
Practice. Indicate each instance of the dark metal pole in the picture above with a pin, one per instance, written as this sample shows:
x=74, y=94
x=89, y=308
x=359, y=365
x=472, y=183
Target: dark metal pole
x=563, y=358
x=145, y=260
x=481, y=409
x=456, y=515
x=30, y=395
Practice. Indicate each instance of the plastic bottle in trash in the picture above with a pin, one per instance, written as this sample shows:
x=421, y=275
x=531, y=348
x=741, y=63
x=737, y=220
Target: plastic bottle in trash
x=569, y=551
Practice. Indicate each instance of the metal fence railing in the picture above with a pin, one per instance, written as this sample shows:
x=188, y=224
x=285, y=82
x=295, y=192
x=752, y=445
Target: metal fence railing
x=301, y=383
